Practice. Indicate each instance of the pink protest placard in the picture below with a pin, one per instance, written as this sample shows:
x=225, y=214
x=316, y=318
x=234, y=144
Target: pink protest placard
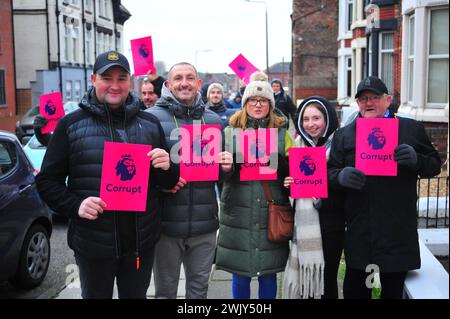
x=376, y=139
x=51, y=107
x=243, y=68
x=200, y=147
x=142, y=51
x=308, y=168
x=256, y=147
x=125, y=176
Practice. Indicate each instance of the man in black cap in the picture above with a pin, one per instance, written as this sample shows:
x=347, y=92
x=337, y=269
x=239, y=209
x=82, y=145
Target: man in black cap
x=380, y=211
x=108, y=245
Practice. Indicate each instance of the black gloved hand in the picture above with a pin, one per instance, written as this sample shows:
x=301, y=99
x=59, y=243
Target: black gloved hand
x=39, y=122
x=405, y=155
x=351, y=177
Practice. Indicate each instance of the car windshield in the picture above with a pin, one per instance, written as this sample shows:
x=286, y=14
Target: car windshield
x=33, y=111
x=34, y=143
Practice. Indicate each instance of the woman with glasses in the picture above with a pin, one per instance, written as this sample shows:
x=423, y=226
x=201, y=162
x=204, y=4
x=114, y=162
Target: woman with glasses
x=243, y=248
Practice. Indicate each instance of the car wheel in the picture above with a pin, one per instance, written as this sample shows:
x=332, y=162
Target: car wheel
x=34, y=258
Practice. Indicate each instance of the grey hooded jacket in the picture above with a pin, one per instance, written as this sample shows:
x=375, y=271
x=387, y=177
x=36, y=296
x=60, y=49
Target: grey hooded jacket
x=193, y=210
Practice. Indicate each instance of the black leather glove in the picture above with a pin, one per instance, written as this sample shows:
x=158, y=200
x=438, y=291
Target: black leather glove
x=405, y=155
x=351, y=177
x=39, y=122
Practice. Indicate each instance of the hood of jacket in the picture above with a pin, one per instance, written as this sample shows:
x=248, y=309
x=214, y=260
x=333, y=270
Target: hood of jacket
x=90, y=104
x=180, y=110
x=331, y=118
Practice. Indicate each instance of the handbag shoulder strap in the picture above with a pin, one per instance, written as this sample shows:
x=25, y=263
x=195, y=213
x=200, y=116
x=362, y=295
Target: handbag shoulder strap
x=267, y=191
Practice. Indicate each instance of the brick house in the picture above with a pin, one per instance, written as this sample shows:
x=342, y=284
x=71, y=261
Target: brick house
x=7, y=72
x=314, y=54
x=405, y=43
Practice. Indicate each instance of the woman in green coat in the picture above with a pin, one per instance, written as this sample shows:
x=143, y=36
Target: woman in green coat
x=243, y=248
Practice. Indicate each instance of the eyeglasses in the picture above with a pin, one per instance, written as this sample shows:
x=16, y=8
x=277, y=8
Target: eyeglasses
x=262, y=102
x=373, y=99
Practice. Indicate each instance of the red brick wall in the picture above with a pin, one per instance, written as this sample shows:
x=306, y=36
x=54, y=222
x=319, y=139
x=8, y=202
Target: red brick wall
x=23, y=100
x=314, y=57
x=7, y=58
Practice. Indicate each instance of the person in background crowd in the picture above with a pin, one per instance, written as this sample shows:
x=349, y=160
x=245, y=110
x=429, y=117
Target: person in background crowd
x=283, y=101
x=216, y=103
x=319, y=222
x=380, y=211
x=148, y=95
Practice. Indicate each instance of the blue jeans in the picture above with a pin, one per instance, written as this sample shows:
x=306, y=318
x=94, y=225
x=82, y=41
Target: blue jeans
x=267, y=287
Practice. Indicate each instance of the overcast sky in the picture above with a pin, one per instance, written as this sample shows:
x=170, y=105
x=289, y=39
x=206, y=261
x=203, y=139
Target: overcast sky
x=182, y=30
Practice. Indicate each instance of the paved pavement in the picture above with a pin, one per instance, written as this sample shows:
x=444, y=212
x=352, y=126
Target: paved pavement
x=219, y=287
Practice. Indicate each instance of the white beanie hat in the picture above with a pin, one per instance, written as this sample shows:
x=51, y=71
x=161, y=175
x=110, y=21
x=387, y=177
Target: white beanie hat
x=259, y=86
x=214, y=86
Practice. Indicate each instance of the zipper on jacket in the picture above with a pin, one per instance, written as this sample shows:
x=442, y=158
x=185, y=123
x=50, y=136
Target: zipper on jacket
x=138, y=261
x=114, y=213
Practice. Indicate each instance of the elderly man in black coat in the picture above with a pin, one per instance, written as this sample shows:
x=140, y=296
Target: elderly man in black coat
x=380, y=211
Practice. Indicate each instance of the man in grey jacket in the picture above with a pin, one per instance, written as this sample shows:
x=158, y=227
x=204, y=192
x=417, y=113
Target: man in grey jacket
x=190, y=213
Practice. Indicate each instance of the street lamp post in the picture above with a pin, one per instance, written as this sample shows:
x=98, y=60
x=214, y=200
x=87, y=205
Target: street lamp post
x=267, y=34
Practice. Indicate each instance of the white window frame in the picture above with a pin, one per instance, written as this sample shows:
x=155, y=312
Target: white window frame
x=347, y=79
x=67, y=43
x=410, y=70
x=382, y=51
x=68, y=90
x=433, y=57
x=75, y=35
x=77, y=90
x=349, y=15
x=89, y=41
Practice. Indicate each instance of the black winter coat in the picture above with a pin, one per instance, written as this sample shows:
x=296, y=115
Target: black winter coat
x=193, y=210
x=382, y=217
x=76, y=152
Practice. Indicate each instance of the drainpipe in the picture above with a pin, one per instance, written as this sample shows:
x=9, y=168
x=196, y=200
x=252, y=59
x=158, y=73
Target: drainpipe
x=83, y=25
x=14, y=58
x=59, y=46
x=95, y=29
x=48, y=33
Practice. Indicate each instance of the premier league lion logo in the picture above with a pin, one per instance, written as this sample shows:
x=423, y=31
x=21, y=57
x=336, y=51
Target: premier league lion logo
x=307, y=166
x=376, y=139
x=144, y=51
x=258, y=150
x=126, y=168
x=50, y=108
x=200, y=146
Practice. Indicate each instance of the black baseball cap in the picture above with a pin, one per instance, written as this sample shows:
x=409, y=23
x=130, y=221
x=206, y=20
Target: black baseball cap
x=109, y=59
x=371, y=83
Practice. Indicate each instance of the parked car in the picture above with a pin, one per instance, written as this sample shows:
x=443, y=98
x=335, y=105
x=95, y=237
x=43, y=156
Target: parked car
x=25, y=220
x=24, y=126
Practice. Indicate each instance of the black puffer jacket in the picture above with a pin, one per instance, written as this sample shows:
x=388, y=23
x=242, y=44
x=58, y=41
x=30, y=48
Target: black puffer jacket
x=193, y=210
x=76, y=152
x=382, y=217
x=331, y=209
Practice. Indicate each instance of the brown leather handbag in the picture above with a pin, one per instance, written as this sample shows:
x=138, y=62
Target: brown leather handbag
x=280, y=223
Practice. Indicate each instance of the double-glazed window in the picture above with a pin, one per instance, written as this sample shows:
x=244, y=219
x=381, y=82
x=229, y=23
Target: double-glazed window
x=411, y=28
x=386, y=58
x=438, y=57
